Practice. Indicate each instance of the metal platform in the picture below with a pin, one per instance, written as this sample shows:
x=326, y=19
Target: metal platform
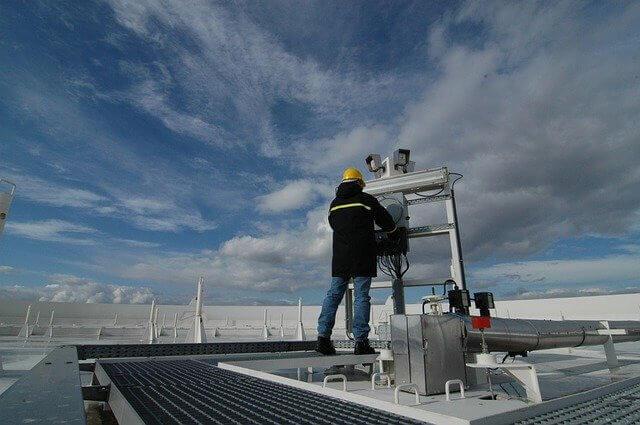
x=160, y=350
x=619, y=407
x=294, y=360
x=110, y=351
x=48, y=393
x=193, y=391
x=616, y=403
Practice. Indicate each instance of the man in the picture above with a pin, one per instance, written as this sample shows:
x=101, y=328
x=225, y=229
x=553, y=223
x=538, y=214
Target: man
x=352, y=216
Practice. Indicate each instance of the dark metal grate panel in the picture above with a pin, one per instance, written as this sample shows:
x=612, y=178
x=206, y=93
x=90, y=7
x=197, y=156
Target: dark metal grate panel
x=159, y=350
x=190, y=391
x=619, y=407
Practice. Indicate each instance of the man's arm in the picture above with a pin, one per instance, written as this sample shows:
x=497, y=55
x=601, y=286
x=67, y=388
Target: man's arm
x=382, y=217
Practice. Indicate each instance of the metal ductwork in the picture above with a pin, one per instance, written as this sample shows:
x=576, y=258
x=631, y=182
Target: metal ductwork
x=429, y=350
x=522, y=335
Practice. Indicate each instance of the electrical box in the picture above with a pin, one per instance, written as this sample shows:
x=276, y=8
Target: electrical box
x=484, y=302
x=428, y=351
x=400, y=348
x=459, y=299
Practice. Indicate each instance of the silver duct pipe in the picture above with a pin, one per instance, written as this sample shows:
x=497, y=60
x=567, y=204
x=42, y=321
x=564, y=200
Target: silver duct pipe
x=520, y=335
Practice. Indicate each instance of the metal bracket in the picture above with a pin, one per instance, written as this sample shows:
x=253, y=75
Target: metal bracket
x=432, y=230
x=381, y=375
x=609, y=348
x=428, y=199
x=335, y=377
x=396, y=392
x=522, y=372
x=447, y=386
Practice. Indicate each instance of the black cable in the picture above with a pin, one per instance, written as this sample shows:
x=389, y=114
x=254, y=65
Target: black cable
x=422, y=195
x=460, y=176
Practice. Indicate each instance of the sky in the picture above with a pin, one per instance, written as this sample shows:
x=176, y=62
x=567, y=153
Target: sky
x=156, y=141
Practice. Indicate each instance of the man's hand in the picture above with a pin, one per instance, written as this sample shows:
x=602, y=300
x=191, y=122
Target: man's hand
x=394, y=236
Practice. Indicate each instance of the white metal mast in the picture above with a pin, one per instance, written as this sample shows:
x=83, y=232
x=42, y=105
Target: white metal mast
x=197, y=333
x=300, y=334
x=151, y=329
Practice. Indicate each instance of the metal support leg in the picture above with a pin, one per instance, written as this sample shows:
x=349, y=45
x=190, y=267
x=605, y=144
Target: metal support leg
x=528, y=378
x=348, y=312
x=457, y=263
x=398, y=296
x=524, y=373
x=610, y=350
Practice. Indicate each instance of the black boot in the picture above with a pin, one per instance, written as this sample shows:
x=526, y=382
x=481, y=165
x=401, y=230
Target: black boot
x=325, y=346
x=363, y=347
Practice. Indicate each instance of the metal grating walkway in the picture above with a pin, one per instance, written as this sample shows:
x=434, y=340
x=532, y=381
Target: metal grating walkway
x=619, y=407
x=102, y=351
x=191, y=392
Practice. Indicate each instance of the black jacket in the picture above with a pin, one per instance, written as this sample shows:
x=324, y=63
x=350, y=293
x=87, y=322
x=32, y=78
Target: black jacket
x=352, y=215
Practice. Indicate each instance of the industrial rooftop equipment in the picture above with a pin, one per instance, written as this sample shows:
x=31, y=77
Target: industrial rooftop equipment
x=425, y=354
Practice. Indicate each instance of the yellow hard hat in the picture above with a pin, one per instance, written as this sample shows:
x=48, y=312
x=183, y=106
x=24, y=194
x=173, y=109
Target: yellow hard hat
x=353, y=174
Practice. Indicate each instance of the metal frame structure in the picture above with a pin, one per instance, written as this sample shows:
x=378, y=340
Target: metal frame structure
x=420, y=181
x=396, y=181
x=430, y=350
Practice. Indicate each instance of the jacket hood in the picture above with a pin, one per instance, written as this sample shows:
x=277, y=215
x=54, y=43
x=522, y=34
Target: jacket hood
x=348, y=189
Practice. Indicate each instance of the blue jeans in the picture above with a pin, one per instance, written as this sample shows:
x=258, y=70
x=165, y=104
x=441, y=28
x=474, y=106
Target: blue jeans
x=361, y=303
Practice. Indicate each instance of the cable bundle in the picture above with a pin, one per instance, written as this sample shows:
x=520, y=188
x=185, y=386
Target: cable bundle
x=393, y=265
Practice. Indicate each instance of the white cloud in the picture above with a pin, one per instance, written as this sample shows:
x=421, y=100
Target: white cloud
x=164, y=215
x=67, y=232
x=148, y=97
x=147, y=213
x=137, y=244
x=54, y=231
x=241, y=69
x=532, y=113
x=630, y=248
x=614, y=268
x=50, y=193
x=283, y=259
x=570, y=292
x=345, y=149
x=297, y=194
x=539, y=111
x=538, y=121
x=68, y=288
x=6, y=269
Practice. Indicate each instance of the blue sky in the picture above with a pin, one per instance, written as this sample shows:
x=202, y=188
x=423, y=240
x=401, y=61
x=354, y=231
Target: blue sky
x=153, y=142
